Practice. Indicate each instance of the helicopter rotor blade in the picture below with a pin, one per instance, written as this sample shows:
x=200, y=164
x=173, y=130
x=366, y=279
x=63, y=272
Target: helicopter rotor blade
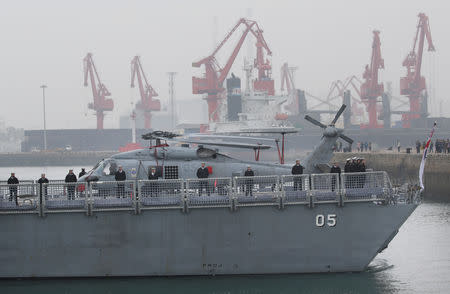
x=338, y=114
x=345, y=138
x=315, y=122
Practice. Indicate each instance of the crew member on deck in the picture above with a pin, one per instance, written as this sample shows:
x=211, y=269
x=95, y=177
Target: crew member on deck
x=43, y=180
x=153, y=177
x=120, y=176
x=249, y=182
x=82, y=172
x=203, y=173
x=13, y=182
x=70, y=179
x=297, y=169
x=335, y=169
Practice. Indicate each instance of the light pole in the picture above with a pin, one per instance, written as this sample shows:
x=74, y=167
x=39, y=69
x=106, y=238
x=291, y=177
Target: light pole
x=172, y=98
x=45, y=126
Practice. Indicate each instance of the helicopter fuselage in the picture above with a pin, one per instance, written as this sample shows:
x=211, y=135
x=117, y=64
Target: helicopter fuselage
x=174, y=162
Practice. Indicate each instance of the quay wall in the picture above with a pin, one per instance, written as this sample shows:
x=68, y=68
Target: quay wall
x=53, y=158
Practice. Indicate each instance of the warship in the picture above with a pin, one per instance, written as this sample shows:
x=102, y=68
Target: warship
x=227, y=224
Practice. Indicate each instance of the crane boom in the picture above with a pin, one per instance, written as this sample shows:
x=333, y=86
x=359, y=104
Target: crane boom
x=99, y=90
x=147, y=104
x=371, y=89
x=287, y=79
x=214, y=77
x=414, y=83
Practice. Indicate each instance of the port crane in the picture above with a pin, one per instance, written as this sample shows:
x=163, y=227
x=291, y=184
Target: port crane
x=212, y=81
x=287, y=80
x=413, y=84
x=147, y=104
x=370, y=88
x=99, y=91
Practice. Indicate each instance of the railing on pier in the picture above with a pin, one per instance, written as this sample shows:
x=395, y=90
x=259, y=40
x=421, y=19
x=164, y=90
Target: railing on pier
x=135, y=196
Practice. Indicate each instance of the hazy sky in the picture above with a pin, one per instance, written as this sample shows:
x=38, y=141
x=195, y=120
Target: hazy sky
x=45, y=41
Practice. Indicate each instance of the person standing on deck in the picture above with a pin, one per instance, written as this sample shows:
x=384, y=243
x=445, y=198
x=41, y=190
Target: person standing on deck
x=13, y=182
x=335, y=169
x=297, y=170
x=43, y=180
x=249, y=182
x=82, y=172
x=203, y=173
x=120, y=176
x=153, y=177
x=70, y=179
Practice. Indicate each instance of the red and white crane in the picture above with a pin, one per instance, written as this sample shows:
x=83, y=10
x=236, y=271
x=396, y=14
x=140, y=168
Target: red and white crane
x=212, y=81
x=99, y=91
x=264, y=82
x=147, y=104
x=414, y=84
x=370, y=88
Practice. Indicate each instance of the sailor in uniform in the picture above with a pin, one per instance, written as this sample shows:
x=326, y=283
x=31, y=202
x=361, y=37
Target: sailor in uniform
x=120, y=176
x=152, y=176
x=297, y=169
x=203, y=173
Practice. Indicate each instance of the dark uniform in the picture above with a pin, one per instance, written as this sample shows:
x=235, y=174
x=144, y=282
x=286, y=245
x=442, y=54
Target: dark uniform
x=120, y=176
x=362, y=169
x=13, y=181
x=335, y=170
x=71, y=178
x=348, y=169
x=153, y=186
x=82, y=173
x=42, y=181
x=249, y=182
x=203, y=173
x=297, y=169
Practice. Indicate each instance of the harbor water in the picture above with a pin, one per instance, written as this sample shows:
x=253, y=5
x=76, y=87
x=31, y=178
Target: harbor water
x=416, y=261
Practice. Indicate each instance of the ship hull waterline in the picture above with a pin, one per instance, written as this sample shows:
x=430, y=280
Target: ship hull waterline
x=204, y=241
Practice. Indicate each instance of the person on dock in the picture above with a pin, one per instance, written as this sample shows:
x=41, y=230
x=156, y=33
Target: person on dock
x=335, y=169
x=70, y=179
x=13, y=182
x=120, y=176
x=249, y=182
x=82, y=172
x=297, y=170
x=203, y=173
x=153, y=177
x=43, y=180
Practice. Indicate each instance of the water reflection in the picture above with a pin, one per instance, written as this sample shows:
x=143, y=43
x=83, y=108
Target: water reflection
x=368, y=282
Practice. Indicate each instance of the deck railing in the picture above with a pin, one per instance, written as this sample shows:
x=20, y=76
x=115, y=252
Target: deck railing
x=136, y=196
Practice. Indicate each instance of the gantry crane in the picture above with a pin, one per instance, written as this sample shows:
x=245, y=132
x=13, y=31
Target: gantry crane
x=147, y=104
x=414, y=84
x=212, y=82
x=99, y=91
x=287, y=79
x=370, y=88
x=264, y=82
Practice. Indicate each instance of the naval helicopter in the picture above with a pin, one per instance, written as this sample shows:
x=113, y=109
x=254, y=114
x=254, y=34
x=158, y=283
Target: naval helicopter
x=181, y=162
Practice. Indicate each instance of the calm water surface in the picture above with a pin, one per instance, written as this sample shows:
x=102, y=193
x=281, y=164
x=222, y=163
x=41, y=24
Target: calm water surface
x=416, y=261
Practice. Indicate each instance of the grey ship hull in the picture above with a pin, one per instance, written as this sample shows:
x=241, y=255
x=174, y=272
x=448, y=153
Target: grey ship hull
x=251, y=240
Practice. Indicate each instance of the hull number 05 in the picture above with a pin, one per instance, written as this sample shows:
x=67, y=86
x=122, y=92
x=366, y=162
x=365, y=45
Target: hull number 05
x=330, y=220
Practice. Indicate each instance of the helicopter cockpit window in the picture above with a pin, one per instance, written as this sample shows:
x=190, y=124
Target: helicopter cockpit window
x=109, y=168
x=206, y=153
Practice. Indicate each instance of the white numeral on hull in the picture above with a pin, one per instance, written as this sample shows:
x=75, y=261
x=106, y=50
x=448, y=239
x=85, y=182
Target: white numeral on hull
x=320, y=220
